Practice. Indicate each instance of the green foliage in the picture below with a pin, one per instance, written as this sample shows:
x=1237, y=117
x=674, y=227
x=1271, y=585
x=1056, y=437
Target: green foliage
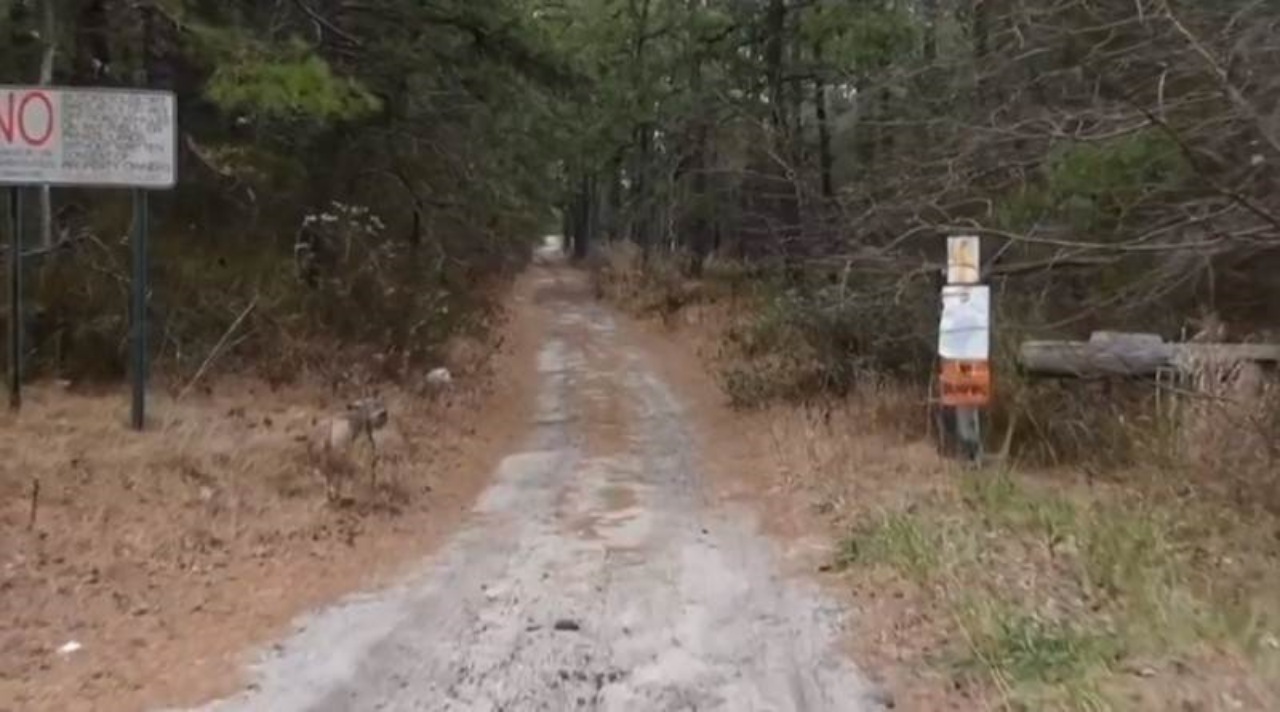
x=861, y=36
x=1092, y=186
x=445, y=119
x=290, y=87
x=1044, y=663
x=1031, y=649
x=803, y=343
x=1128, y=556
x=896, y=539
x=1056, y=596
x=1120, y=170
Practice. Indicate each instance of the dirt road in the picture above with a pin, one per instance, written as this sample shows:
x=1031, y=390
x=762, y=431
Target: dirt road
x=593, y=574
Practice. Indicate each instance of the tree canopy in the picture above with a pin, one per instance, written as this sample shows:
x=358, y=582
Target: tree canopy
x=1119, y=153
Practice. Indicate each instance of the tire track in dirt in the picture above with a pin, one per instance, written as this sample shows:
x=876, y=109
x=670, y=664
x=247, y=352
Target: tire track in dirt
x=593, y=574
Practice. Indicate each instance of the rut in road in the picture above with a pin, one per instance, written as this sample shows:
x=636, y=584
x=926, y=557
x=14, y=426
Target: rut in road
x=590, y=576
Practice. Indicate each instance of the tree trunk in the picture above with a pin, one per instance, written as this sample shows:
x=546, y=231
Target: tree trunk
x=640, y=200
x=92, y=55
x=981, y=29
x=884, y=128
x=583, y=218
x=566, y=226
x=774, y=51
x=641, y=184
x=930, y=8
x=825, y=159
x=787, y=202
x=700, y=234
x=699, y=238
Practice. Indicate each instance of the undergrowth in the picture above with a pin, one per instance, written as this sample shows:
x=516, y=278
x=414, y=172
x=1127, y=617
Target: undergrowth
x=1155, y=555
x=365, y=306
x=823, y=335
x=1057, y=597
x=818, y=340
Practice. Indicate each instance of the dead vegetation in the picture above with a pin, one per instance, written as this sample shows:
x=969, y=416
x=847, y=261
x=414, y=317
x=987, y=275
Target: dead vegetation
x=137, y=536
x=1123, y=557
x=164, y=556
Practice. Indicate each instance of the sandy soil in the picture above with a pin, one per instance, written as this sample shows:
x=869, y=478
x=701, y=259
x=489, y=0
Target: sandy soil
x=596, y=572
x=791, y=465
x=166, y=555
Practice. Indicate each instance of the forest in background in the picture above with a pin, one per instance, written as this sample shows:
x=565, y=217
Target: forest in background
x=364, y=172
x=354, y=179
x=359, y=178
x=1117, y=158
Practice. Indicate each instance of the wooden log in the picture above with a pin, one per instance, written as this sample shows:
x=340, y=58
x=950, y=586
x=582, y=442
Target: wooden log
x=1081, y=359
x=1190, y=355
x=1125, y=354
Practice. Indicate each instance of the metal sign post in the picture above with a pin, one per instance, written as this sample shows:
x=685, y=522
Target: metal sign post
x=964, y=343
x=15, y=298
x=138, y=311
x=121, y=138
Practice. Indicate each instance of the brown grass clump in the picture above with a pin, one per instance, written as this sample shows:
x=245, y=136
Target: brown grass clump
x=1226, y=420
x=119, y=540
x=167, y=553
x=1034, y=590
x=1213, y=429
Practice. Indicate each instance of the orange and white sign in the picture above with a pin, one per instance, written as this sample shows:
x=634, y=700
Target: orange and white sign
x=964, y=334
x=965, y=384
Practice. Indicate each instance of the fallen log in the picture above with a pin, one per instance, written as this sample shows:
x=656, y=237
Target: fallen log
x=1124, y=354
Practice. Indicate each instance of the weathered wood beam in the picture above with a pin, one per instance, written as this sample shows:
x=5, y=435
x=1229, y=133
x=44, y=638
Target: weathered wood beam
x=1120, y=354
x=1082, y=359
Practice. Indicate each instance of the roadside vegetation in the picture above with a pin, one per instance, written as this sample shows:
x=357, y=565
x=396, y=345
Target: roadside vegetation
x=1118, y=557
x=360, y=180
x=1065, y=597
x=1119, y=550
x=359, y=183
x=356, y=184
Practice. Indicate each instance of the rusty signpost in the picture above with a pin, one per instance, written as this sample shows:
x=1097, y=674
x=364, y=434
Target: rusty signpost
x=109, y=138
x=964, y=343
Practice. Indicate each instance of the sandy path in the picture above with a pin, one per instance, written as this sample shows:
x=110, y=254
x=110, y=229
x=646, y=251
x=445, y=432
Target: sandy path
x=591, y=575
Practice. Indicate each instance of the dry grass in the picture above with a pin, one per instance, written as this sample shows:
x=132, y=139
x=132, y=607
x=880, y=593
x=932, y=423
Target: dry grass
x=1035, y=589
x=1215, y=431
x=135, y=536
x=1224, y=422
x=1104, y=573
x=166, y=554
x=656, y=287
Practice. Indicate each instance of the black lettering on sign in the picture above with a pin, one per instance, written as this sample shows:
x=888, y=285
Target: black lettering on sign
x=106, y=132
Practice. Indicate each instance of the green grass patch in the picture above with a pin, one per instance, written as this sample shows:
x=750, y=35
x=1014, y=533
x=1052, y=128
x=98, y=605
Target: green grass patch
x=900, y=540
x=1038, y=662
x=1055, y=591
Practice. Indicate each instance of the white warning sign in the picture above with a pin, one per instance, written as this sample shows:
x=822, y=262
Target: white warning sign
x=91, y=137
x=965, y=333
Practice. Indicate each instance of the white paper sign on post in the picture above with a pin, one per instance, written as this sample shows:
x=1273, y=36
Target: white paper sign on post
x=88, y=137
x=965, y=333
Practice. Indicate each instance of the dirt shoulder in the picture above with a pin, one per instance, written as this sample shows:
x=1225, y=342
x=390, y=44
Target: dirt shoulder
x=167, y=556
